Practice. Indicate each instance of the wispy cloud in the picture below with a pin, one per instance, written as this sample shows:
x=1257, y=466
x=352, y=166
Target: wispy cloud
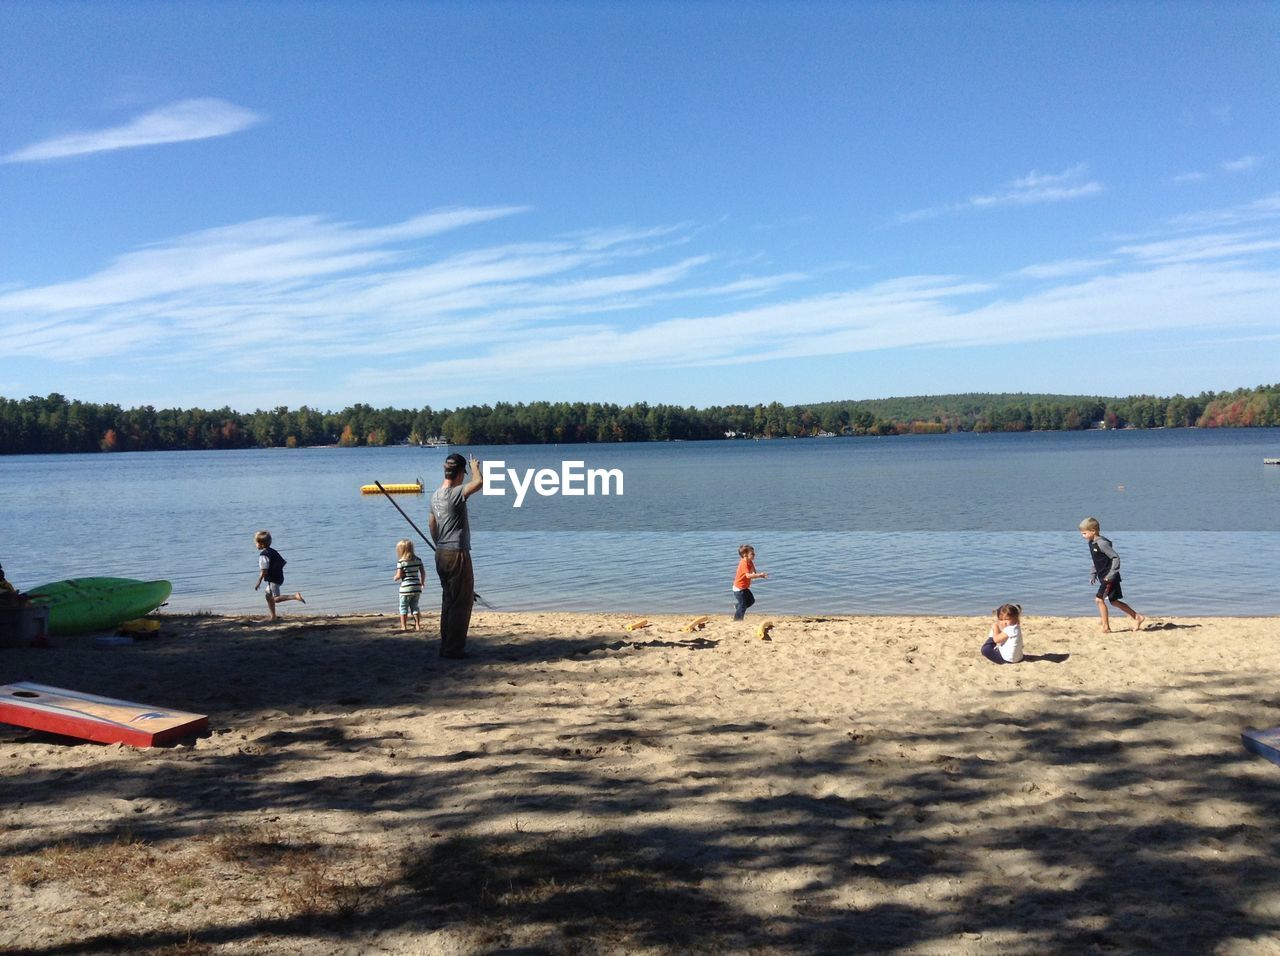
x=328, y=284
x=874, y=319
x=351, y=312
x=1062, y=268
x=1042, y=187
x=1242, y=165
x=1209, y=246
x=1032, y=189
x=176, y=123
x=1230, y=167
x=1258, y=210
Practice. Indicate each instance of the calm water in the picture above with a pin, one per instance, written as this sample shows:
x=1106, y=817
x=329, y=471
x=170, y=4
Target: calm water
x=931, y=524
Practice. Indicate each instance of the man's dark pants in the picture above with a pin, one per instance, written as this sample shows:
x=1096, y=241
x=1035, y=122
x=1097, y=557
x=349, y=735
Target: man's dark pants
x=457, y=597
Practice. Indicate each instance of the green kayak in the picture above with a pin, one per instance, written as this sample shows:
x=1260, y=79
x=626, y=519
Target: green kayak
x=96, y=604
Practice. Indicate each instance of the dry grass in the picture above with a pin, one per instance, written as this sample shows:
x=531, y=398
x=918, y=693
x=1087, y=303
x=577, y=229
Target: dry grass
x=261, y=872
x=305, y=879
x=188, y=947
x=124, y=868
x=177, y=897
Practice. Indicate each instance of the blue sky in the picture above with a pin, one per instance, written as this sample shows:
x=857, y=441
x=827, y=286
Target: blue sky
x=261, y=204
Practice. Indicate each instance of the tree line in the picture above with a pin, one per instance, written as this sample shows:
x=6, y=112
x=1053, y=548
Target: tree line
x=53, y=423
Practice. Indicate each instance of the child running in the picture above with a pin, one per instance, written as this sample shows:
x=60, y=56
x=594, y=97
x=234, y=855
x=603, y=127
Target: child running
x=271, y=571
x=409, y=573
x=1004, y=640
x=742, y=596
x=1106, y=574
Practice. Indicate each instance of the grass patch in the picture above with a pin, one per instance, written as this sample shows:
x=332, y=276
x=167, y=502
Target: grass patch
x=123, y=867
x=133, y=886
x=306, y=879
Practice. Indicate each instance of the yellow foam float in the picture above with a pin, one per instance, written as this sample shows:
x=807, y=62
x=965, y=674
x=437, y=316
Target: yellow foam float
x=697, y=624
x=404, y=488
x=639, y=625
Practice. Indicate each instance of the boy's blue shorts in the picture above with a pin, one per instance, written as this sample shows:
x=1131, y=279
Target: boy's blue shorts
x=409, y=602
x=1109, y=590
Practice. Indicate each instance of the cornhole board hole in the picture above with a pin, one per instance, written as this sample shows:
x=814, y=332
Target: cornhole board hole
x=1264, y=743
x=103, y=720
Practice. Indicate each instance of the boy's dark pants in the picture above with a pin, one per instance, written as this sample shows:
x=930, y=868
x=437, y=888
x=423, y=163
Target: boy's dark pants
x=742, y=600
x=457, y=597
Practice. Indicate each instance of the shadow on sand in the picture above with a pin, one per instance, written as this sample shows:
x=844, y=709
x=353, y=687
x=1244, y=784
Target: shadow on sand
x=880, y=844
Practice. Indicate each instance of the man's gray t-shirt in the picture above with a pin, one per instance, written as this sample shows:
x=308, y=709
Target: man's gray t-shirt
x=449, y=506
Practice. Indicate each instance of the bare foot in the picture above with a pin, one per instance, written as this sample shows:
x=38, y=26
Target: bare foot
x=1105, y=630
x=1138, y=622
x=300, y=598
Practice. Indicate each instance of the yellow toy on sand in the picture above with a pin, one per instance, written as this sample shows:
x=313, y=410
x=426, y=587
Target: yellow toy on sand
x=697, y=624
x=763, y=630
x=639, y=625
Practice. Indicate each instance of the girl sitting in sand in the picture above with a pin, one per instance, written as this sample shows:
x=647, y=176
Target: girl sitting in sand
x=1004, y=640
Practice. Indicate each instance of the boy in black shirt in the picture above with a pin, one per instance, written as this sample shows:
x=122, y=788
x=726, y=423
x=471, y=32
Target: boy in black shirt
x=1106, y=574
x=271, y=572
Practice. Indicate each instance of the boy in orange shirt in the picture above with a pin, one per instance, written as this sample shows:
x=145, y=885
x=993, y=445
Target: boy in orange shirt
x=742, y=596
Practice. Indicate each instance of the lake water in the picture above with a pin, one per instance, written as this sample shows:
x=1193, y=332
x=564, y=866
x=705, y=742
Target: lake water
x=948, y=524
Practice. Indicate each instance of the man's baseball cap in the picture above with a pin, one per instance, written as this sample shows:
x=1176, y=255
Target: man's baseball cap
x=455, y=464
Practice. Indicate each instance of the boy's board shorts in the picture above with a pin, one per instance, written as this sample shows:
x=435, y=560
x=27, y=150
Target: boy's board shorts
x=272, y=588
x=409, y=602
x=1110, y=590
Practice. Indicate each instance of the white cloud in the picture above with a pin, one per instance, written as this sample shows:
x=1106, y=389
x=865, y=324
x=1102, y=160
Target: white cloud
x=1242, y=165
x=210, y=294
x=1062, y=268
x=1032, y=189
x=1257, y=210
x=881, y=317
x=262, y=252
x=1209, y=246
x=1189, y=177
x=369, y=313
x=176, y=123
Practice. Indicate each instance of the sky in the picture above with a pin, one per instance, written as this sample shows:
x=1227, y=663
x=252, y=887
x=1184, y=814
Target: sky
x=701, y=203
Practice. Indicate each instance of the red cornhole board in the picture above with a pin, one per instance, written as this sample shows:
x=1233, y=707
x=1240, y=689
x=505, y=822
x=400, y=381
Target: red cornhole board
x=104, y=720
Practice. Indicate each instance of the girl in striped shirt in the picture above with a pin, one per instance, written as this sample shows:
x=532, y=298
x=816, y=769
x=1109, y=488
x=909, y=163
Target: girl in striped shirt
x=409, y=573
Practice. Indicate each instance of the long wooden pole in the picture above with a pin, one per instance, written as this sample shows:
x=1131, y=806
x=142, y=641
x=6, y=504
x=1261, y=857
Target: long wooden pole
x=479, y=600
x=405, y=515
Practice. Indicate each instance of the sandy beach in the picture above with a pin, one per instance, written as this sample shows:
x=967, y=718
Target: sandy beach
x=852, y=784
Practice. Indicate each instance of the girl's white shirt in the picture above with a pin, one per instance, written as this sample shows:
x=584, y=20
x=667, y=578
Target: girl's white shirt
x=1011, y=649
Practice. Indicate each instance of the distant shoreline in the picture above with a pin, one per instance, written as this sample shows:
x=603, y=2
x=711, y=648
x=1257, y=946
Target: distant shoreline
x=55, y=424
x=661, y=441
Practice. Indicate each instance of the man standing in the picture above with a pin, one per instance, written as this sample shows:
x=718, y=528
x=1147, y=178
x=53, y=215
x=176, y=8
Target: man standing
x=451, y=533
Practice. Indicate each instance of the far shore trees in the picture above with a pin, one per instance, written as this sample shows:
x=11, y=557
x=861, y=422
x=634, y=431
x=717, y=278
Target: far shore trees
x=54, y=424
